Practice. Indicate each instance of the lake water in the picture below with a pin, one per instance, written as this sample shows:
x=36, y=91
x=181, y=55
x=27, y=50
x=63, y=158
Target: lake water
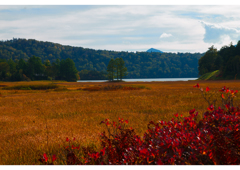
x=144, y=80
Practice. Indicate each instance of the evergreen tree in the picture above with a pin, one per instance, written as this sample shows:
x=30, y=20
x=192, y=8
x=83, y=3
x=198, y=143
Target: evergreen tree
x=35, y=68
x=122, y=69
x=22, y=67
x=48, y=69
x=12, y=66
x=56, y=70
x=4, y=71
x=117, y=65
x=111, y=70
x=208, y=61
x=68, y=70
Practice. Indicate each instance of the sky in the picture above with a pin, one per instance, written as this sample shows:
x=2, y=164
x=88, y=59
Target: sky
x=130, y=27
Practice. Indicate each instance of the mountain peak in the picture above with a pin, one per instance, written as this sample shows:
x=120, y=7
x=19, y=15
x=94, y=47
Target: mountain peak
x=154, y=50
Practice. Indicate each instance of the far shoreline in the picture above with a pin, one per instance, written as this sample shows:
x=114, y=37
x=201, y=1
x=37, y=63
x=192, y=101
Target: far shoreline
x=143, y=80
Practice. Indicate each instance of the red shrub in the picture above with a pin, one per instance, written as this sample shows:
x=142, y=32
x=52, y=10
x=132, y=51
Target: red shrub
x=215, y=139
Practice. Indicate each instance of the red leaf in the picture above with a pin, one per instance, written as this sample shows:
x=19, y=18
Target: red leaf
x=223, y=96
x=67, y=139
x=191, y=111
x=103, y=151
x=159, y=162
x=144, y=151
x=45, y=157
x=210, y=155
x=223, y=89
x=207, y=89
x=211, y=108
x=54, y=158
x=197, y=85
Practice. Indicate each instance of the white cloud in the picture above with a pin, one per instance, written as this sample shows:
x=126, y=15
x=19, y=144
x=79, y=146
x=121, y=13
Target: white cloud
x=115, y=27
x=165, y=35
x=215, y=33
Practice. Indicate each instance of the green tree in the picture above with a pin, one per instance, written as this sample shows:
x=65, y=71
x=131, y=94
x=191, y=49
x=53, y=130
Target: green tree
x=208, y=62
x=68, y=71
x=48, y=69
x=4, y=71
x=111, y=70
x=22, y=67
x=35, y=68
x=122, y=69
x=56, y=70
x=117, y=65
x=12, y=66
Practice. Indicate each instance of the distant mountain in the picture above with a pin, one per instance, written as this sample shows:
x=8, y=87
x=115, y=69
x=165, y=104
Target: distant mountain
x=154, y=50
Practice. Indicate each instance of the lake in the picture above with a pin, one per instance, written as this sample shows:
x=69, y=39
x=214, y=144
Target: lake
x=144, y=80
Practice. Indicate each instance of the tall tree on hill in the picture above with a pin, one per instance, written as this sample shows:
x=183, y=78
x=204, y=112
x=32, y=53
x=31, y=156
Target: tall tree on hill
x=208, y=62
x=111, y=70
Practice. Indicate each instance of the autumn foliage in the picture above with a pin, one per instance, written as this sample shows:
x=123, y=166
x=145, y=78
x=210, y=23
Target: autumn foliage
x=214, y=139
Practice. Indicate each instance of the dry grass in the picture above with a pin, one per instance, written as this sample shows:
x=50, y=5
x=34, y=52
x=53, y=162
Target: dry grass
x=35, y=121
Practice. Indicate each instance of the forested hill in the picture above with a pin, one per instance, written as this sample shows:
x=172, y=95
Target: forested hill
x=226, y=60
x=139, y=64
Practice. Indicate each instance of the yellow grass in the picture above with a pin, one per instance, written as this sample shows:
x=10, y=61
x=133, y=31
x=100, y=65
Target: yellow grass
x=36, y=121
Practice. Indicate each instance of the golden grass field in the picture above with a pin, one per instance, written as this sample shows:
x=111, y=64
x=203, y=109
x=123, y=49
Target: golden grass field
x=33, y=122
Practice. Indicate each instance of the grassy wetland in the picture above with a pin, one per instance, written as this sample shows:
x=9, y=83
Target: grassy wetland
x=38, y=120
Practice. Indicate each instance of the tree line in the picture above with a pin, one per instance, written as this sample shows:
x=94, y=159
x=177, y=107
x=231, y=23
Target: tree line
x=34, y=69
x=227, y=60
x=138, y=64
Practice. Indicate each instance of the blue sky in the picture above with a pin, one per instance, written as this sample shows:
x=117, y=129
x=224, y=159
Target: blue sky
x=169, y=28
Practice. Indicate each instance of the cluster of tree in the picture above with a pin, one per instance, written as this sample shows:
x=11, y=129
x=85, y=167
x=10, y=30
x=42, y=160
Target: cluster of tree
x=139, y=64
x=227, y=60
x=116, y=69
x=34, y=69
